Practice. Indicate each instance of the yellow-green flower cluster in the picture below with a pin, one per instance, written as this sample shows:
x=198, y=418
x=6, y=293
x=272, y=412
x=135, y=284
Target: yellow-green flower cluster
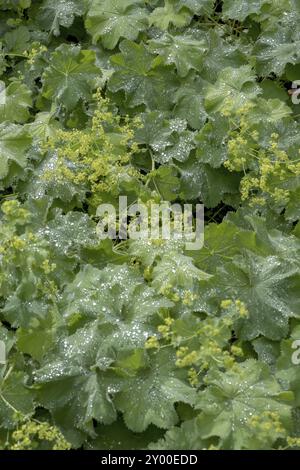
x=48, y=267
x=193, y=377
x=189, y=298
x=209, y=344
x=34, y=52
x=23, y=251
x=169, y=291
x=186, y=358
x=97, y=157
x=237, y=308
x=152, y=343
x=164, y=332
x=293, y=441
x=32, y=433
x=165, y=329
x=236, y=351
x=267, y=425
x=15, y=213
x=266, y=170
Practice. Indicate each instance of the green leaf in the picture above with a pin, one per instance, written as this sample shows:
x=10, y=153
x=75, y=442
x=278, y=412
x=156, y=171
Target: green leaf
x=273, y=58
x=39, y=337
x=166, y=182
x=171, y=13
x=266, y=350
x=292, y=209
x=68, y=234
x=149, y=398
x=123, y=312
x=184, y=51
x=16, y=104
x=16, y=41
x=190, y=102
x=279, y=44
x=185, y=437
x=14, y=141
x=209, y=184
x=43, y=127
x=241, y=9
x=268, y=287
x=71, y=385
x=147, y=251
x=212, y=141
x=111, y=20
x=233, y=88
x=268, y=111
x=16, y=5
x=39, y=184
x=70, y=76
x=140, y=74
x=117, y=299
x=176, y=270
x=198, y=7
x=8, y=339
x=155, y=130
x=235, y=397
x=3, y=63
x=169, y=139
x=15, y=396
x=221, y=243
x=273, y=90
x=53, y=14
x=118, y=437
x=221, y=54
x=225, y=240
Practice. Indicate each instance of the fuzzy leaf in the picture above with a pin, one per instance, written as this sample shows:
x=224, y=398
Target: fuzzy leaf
x=16, y=103
x=232, y=398
x=53, y=14
x=70, y=76
x=141, y=76
x=111, y=20
x=14, y=141
x=171, y=13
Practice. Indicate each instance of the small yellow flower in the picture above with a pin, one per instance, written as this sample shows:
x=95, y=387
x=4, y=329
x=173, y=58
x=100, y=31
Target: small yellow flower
x=226, y=303
x=152, y=343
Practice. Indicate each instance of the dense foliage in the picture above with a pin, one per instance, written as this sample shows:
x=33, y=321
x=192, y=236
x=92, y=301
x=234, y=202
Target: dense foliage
x=142, y=344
